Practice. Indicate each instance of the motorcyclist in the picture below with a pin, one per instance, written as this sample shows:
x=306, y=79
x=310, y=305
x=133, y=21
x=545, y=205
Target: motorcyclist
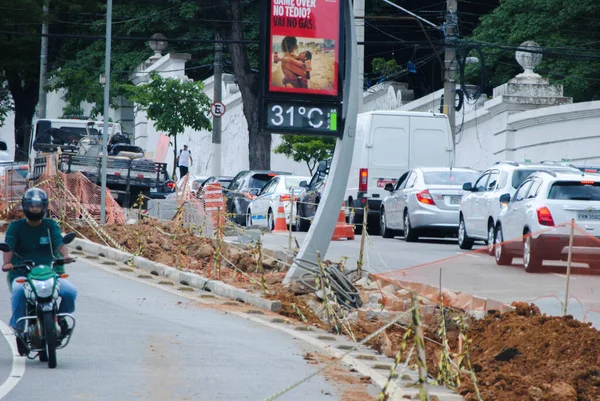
x=33, y=238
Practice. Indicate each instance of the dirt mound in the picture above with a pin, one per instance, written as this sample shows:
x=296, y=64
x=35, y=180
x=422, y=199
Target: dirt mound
x=524, y=355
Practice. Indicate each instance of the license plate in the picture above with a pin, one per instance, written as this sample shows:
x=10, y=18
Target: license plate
x=152, y=190
x=455, y=200
x=382, y=183
x=588, y=216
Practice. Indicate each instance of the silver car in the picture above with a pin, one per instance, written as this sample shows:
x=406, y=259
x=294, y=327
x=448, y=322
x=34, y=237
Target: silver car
x=424, y=202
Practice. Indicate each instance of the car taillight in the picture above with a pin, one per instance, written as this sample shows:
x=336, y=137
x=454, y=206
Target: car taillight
x=140, y=176
x=545, y=217
x=285, y=198
x=117, y=174
x=363, y=180
x=425, y=197
x=170, y=185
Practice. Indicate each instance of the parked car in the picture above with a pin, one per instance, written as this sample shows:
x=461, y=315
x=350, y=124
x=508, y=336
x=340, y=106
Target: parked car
x=308, y=201
x=244, y=187
x=165, y=191
x=388, y=143
x=550, y=199
x=480, y=208
x=262, y=210
x=424, y=202
x=224, y=180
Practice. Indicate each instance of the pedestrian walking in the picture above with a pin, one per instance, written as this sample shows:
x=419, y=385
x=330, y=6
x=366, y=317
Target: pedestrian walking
x=184, y=161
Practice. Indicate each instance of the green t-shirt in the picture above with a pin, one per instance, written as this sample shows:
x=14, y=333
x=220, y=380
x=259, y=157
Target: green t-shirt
x=33, y=243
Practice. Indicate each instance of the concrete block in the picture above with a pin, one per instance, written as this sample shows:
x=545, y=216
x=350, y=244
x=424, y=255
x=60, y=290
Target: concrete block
x=248, y=236
x=195, y=280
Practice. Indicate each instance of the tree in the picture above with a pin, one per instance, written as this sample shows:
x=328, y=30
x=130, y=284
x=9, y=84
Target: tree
x=385, y=67
x=20, y=49
x=238, y=21
x=259, y=145
x=308, y=149
x=5, y=102
x=562, y=28
x=173, y=105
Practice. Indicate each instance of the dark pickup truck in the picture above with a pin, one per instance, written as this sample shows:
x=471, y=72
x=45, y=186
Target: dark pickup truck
x=126, y=178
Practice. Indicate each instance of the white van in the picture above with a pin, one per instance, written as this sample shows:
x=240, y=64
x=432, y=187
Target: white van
x=387, y=144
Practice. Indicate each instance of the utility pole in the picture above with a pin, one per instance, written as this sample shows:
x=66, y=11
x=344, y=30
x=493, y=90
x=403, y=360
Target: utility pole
x=359, y=21
x=106, y=109
x=450, y=35
x=41, y=111
x=217, y=97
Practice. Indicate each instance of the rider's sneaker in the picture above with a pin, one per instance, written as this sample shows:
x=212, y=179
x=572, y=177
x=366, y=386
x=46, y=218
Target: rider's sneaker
x=65, y=330
x=23, y=351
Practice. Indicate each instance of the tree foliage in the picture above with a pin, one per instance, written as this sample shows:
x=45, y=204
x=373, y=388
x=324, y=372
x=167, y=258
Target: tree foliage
x=385, y=67
x=6, y=105
x=179, y=20
x=308, y=149
x=562, y=27
x=172, y=104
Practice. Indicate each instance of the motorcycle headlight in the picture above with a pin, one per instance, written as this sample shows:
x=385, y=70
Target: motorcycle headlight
x=44, y=288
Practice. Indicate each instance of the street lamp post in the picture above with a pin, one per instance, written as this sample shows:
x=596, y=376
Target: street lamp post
x=106, y=108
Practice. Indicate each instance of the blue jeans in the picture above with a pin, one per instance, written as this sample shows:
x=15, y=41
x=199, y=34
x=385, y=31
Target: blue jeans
x=67, y=292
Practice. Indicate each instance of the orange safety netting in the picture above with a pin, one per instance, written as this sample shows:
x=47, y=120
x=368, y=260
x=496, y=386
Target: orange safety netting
x=475, y=281
x=74, y=196
x=13, y=184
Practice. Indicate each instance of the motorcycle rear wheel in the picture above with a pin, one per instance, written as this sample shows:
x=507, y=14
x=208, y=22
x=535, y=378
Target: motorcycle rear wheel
x=50, y=335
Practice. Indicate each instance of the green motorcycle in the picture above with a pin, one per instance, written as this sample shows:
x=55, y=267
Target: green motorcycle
x=39, y=329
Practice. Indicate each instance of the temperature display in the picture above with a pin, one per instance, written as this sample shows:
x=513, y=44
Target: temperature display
x=304, y=119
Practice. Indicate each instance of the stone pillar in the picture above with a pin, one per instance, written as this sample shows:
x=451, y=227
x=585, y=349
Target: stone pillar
x=528, y=88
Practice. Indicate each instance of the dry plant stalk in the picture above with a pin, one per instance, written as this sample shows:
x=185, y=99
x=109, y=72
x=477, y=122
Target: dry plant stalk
x=465, y=354
x=420, y=346
x=260, y=267
x=447, y=376
x=299, y=312
x=217, y=258
x=359, y=262
x=384, y=396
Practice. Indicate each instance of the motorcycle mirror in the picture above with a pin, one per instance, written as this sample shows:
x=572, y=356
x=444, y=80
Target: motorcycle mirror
x=4, y=247
x=68, y=238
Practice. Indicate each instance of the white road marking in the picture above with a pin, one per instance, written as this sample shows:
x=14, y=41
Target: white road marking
x=18, y=364
x=563, y=276
x=467, y=254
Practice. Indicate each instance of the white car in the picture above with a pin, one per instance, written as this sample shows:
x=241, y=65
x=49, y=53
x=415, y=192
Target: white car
x=545, y=200
x=424, y=202
x=263, y=209
x=480, y=208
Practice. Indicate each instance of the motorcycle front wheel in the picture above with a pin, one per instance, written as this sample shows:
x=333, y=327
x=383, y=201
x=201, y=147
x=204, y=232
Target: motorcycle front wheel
x=50, y=335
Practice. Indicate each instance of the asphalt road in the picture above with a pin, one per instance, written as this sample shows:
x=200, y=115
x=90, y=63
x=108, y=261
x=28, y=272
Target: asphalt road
x=475, y=273
x=137, y=342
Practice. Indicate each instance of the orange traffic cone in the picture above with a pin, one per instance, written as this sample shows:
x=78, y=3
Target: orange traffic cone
x=280, y=224
x=342, y=229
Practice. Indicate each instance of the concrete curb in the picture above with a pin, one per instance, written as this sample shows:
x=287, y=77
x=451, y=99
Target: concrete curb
x=186, y=278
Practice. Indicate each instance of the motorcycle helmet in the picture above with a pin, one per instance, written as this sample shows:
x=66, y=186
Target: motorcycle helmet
x=37, y=198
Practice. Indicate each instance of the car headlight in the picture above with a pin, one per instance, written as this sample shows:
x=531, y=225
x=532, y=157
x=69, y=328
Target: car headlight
x=44, y=288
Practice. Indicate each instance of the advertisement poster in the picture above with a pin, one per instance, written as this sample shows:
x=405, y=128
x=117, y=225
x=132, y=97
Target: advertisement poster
x=304, y=46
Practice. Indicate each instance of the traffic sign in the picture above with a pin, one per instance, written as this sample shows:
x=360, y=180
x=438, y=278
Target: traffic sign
x=217, y=109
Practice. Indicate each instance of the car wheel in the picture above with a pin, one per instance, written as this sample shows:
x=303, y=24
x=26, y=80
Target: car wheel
x=302, y=223
x=464, y=242
x=249, y=218
x=502, y=257
x=409, y=234
x=270, y=221
x=385, y=231
x=491, y=238
x=531, y=259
